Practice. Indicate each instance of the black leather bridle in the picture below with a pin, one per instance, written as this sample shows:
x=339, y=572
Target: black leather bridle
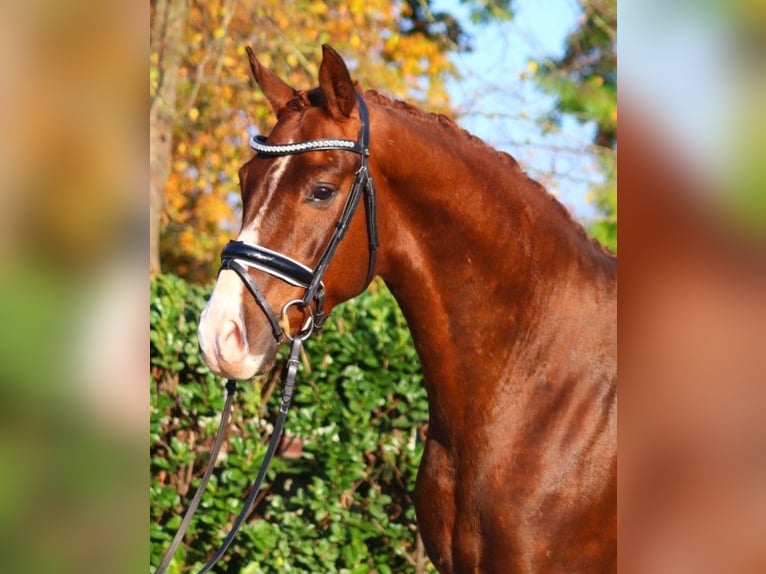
x=237, y=254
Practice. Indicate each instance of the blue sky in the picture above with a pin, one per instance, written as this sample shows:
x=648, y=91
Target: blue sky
x=497, y=103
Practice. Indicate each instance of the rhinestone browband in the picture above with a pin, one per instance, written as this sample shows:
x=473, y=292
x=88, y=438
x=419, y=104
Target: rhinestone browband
x=258, y=144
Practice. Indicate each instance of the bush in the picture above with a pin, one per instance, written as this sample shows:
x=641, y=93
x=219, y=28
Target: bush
x=360, y=410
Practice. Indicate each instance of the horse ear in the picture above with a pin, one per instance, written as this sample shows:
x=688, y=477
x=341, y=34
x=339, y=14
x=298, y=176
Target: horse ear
x=336, y=83
x=273, y=87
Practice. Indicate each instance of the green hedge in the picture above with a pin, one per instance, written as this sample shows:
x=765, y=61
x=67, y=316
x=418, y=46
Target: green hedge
x=343, y=505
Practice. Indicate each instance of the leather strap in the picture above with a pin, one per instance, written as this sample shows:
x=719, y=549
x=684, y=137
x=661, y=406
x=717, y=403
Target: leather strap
x=231, y=388
x=288, y=387
x=276, y=328
x=287, y=394
x=271, y=262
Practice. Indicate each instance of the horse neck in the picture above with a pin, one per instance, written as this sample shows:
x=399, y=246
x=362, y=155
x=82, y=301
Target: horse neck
x=477, y=255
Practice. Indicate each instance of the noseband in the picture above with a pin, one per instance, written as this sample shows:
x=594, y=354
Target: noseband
x=237, y=254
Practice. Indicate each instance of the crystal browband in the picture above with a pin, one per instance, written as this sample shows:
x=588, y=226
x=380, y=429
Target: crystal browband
x=258, y=143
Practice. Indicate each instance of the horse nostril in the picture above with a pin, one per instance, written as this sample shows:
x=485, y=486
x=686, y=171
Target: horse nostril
x=231, y=343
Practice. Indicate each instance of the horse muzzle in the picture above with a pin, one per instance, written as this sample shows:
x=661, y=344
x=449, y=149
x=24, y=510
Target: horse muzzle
x=226, y=346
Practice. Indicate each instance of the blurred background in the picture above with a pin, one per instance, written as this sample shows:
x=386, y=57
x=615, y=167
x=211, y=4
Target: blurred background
x=73, y=286
x=692, y=304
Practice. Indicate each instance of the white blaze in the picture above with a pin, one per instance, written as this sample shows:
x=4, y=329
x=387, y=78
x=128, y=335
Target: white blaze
x=225, y=306
x=249, y=234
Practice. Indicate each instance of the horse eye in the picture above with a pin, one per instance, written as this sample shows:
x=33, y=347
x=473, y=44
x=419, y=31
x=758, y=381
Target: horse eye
x=322, y=192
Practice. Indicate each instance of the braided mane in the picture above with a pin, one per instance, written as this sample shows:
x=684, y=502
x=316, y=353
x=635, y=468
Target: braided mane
x=450, y=125
x=437, y=119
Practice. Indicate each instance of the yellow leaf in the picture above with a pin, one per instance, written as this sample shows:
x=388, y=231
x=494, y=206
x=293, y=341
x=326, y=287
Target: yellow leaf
x=319, y=8
x=282, y=20
x=193, y=114
x=392, y=42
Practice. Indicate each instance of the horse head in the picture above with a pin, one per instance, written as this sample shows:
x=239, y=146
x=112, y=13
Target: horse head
x=299, y=193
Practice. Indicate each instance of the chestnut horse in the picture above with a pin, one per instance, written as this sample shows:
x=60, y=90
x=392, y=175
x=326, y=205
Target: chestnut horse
x=511, y=306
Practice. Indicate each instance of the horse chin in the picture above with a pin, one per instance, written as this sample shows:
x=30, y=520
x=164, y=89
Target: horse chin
x=264, y=363
x=246, y=367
